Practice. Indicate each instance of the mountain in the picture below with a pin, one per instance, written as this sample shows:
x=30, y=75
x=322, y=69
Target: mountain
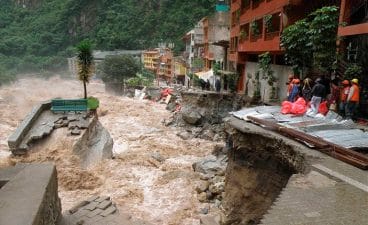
x=40, y=34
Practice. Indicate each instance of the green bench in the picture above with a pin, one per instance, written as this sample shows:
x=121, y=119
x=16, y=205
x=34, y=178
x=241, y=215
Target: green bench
x=67, y=105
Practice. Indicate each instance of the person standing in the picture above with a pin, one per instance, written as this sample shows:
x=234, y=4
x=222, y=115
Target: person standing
x=307, y=90
x=289, y=85
x=334, y=96
x=344, y=93
x=295, y=90
x=352, y=100
x=218, y=85
x=318, y=93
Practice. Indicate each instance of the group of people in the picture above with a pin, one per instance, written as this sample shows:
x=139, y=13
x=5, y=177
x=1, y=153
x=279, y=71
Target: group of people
x=342, y=98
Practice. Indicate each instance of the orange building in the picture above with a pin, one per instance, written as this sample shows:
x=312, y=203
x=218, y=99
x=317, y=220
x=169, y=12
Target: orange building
x=353, y=44
x=160, y=62
x=165, y=70
x=256, y=27
x=151, y=59
x=354, y=14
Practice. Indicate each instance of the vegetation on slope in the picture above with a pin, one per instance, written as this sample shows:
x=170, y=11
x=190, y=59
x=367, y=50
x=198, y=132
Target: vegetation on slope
x=39, y=35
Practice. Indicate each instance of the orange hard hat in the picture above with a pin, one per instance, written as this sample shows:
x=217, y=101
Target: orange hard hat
x=296, y=81
x=345, y=82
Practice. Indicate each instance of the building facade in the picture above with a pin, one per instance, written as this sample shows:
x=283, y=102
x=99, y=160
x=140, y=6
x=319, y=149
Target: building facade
x=194, y=48
x=215, y=31
x=151, y=60
x=256, y=28
x=160, y=62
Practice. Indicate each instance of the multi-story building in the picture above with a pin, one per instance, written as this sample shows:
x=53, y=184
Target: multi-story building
x=165, y=70
x=194, y=47
x=215, y=31
x=160, y=62
x=354, y=14
x=353, y=43
x=256, y=27
x=151, y=59
x=180, y=70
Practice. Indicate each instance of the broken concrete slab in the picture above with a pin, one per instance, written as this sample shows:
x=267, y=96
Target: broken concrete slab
x=16, y=138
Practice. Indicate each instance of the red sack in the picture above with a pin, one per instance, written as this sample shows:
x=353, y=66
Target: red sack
x=286, y=107
x=299, y=107
x=166, y=92
x=323, y=109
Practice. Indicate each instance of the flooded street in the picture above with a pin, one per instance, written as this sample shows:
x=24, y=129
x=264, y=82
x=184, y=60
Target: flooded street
x=151, y=175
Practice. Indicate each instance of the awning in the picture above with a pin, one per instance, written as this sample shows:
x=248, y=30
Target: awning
x=226, y=72
x=205, y=75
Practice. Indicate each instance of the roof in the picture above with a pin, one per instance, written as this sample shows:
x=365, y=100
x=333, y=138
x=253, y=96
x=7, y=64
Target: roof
x=331, y=128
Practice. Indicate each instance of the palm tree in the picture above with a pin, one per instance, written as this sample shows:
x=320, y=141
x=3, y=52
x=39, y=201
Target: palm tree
x=85, y=63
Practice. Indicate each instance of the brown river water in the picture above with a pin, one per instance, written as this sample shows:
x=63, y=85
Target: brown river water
x=161, y=193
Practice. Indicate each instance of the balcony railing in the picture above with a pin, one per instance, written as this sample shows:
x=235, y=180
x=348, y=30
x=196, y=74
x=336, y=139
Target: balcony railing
x=254, y=38
x=271, y=35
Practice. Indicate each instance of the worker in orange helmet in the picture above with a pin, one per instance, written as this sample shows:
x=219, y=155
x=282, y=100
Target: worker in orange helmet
x=344, y=93
x=352, y=101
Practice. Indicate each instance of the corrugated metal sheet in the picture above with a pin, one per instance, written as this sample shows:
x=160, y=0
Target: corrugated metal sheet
x=331, y=128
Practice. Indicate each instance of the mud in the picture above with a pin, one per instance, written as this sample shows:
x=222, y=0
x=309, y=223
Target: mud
x=151, y=176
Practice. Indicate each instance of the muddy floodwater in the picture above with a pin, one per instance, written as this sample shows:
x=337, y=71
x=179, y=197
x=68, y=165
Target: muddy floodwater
x=151, y=176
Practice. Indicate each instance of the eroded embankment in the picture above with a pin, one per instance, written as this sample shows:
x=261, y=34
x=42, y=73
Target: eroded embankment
x=259, y=167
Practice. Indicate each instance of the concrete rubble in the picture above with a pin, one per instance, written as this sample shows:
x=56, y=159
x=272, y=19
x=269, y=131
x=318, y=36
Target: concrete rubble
x=212, y=173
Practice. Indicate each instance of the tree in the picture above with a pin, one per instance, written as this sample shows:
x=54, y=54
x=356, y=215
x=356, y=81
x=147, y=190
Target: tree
x=85, y=63
x=118, y=68
x=322, y=31
x=312, y=41
x=298, y=51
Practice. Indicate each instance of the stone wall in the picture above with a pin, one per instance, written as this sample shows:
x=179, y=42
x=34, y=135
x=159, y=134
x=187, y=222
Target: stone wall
x=209, y=107
x=30, y=195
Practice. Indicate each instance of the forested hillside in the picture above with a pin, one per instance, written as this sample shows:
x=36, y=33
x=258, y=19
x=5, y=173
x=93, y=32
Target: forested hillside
x=39, y=34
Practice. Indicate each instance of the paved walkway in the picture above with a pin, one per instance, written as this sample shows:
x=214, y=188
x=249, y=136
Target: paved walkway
x=332, y=193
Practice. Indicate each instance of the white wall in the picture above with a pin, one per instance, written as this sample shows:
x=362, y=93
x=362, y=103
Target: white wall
x=280, y=72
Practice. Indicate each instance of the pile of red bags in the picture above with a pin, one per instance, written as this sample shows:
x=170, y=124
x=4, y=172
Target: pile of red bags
x=299, y=107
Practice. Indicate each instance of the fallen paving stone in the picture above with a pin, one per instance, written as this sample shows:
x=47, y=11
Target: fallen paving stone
x=92, y=198
x=108, y=211
x=102, y=198
x=91, y=206
x=81, y=213
x=94, y=213
x=104, y=204
x=75, y=208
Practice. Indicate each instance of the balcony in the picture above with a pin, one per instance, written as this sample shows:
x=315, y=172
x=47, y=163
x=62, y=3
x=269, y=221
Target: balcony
x=260, y=44
x=272, y=35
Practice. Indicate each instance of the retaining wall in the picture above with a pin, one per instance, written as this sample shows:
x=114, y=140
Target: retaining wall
x=30, y=195
x=16, y=138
